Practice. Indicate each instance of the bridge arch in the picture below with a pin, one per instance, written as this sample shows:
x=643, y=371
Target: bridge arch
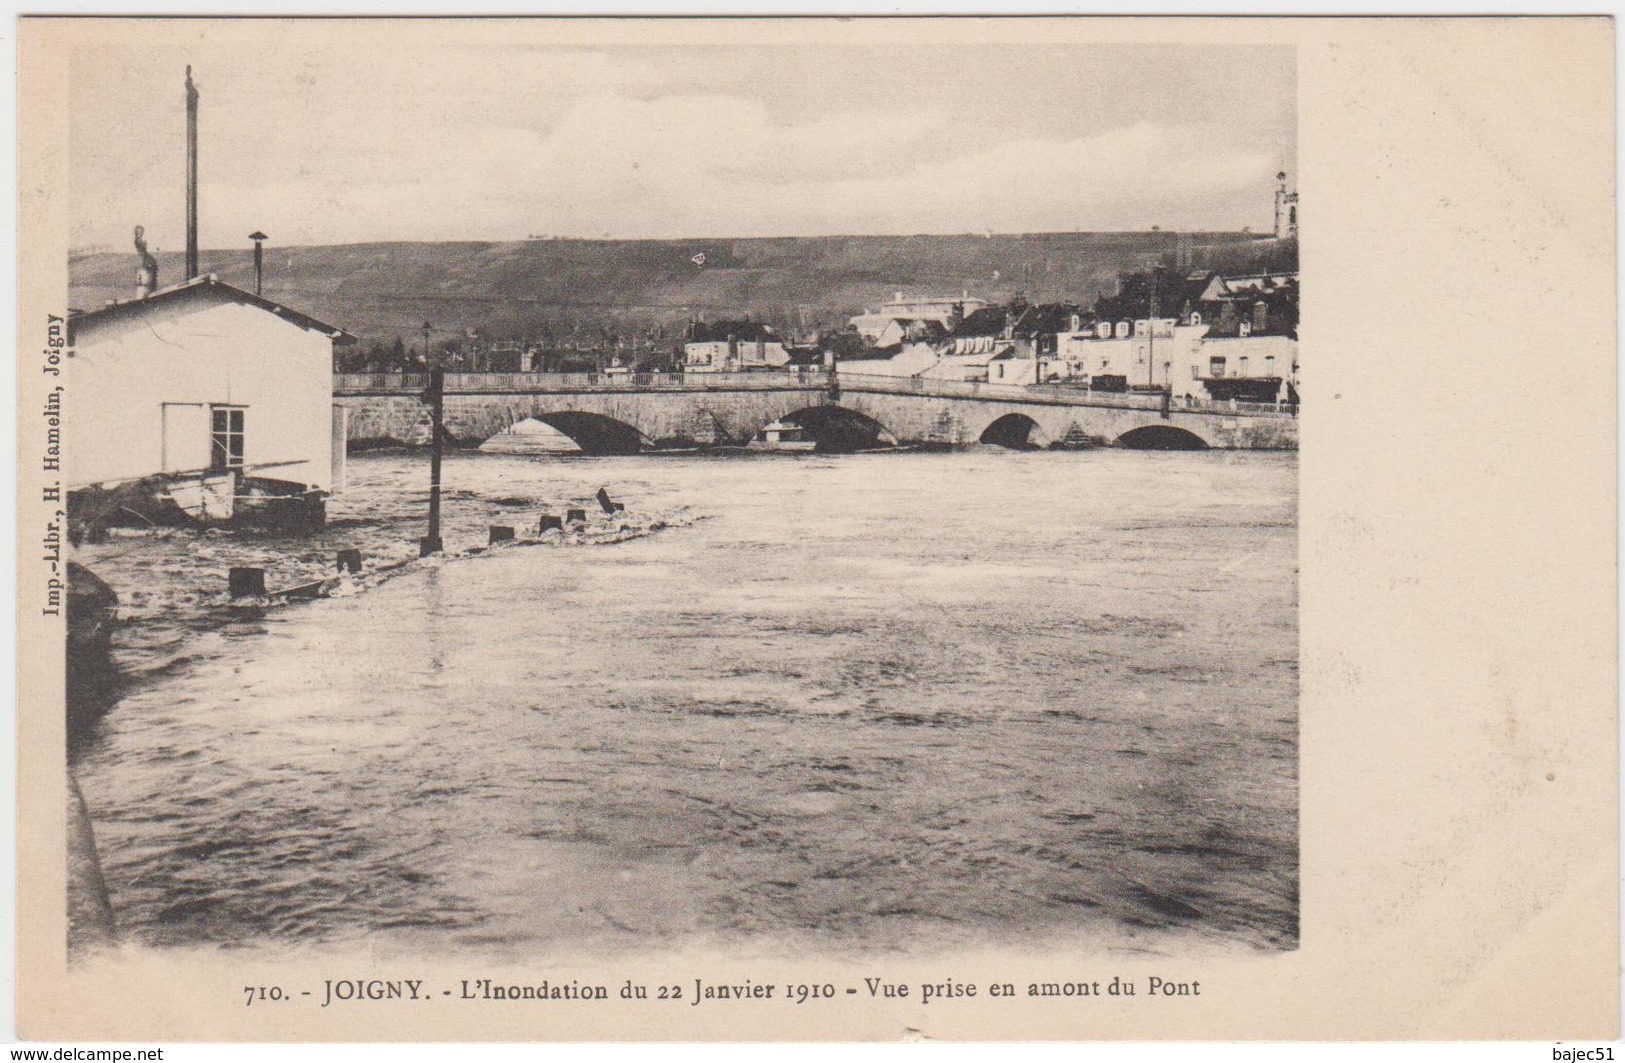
x=1016, y=431
x=1161, y=437
x=591, y=433
x=837, y=429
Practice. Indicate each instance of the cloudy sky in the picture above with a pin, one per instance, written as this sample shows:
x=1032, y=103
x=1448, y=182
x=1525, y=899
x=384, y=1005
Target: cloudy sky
x=330, y=141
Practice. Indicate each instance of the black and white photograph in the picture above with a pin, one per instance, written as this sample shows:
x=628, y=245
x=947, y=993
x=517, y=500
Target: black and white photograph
x=532, y=496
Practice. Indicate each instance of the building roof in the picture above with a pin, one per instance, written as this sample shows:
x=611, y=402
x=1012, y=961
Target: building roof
x=743, y=331
x=1047, y=318
x=1199, y=287
x=927, y=331
x=975, y=360
x=1231, y=330
x=209, y=285
x=1280, y=317
x=1255, y=282
x=804, y=356
x=987, y=321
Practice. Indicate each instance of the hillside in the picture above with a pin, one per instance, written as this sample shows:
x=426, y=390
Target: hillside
x=560, y=287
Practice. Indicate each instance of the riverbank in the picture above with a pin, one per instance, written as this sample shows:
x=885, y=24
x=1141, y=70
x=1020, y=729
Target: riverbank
x=172, y=582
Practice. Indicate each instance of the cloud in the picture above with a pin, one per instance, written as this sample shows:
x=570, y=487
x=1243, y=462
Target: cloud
x=696, y=165
x=709, y=164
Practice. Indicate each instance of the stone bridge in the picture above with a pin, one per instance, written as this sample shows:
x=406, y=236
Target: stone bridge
x=624, y=413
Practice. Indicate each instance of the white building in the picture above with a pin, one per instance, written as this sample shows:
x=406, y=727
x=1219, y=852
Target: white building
x=1249, y=352
x=215, y=391
x=972, y=368
x=732, y=347
x=1148, y=354
x=911, y=359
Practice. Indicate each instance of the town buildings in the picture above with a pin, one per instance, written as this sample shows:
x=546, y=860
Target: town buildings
x=901, y=318
x=732, y=347
x=1200, y=337
x=208, y=394
x=1010, y=344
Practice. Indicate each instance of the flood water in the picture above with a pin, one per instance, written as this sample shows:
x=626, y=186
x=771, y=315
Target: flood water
x=881, y=701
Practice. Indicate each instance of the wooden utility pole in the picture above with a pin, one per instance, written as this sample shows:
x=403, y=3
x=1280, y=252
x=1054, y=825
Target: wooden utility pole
x=259, y=239
x=431, y=544
x=191, y=176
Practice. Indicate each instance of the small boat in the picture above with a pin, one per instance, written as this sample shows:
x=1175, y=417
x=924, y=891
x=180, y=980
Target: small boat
x=781, y=435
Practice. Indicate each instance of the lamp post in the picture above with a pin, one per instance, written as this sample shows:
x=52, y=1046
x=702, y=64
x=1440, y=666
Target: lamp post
x=431, y=544
x=259, y=239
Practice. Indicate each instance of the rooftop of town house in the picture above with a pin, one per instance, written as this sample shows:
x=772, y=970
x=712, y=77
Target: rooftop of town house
x=926, y=331
x=722, y=331
x=1046, y=318
x=979, y=359
x=986, y=321
x=1200, y=287
x=208, y=288
x=1029, y=319
x=1279, y=318
x=1253, y=282
x=1232, y=331
x=804, y=356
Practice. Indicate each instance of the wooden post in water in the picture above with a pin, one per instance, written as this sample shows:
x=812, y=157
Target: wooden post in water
x=246, y=582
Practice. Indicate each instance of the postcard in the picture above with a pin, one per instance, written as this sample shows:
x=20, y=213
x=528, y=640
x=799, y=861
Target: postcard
x=817, y=529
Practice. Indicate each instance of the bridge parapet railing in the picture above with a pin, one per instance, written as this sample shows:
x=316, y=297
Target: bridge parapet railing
x=1054, y=394
x=1048, y=394
x=363, y=382
x=1244, y=409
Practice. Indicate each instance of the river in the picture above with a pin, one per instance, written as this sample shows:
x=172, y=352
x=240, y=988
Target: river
x=878, y=701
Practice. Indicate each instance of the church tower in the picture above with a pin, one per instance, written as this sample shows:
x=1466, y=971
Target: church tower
x=1286, y=209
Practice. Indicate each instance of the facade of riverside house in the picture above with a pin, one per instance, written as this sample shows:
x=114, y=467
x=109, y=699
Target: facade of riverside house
x=1250, y=353
x=1129, y=354
x=906, y=359
x=732, y=347
x=1227, y=338
x=209, y=392
x=1017, y=343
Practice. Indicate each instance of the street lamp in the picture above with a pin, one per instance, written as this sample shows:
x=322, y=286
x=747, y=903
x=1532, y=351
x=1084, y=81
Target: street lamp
x=431, y=544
